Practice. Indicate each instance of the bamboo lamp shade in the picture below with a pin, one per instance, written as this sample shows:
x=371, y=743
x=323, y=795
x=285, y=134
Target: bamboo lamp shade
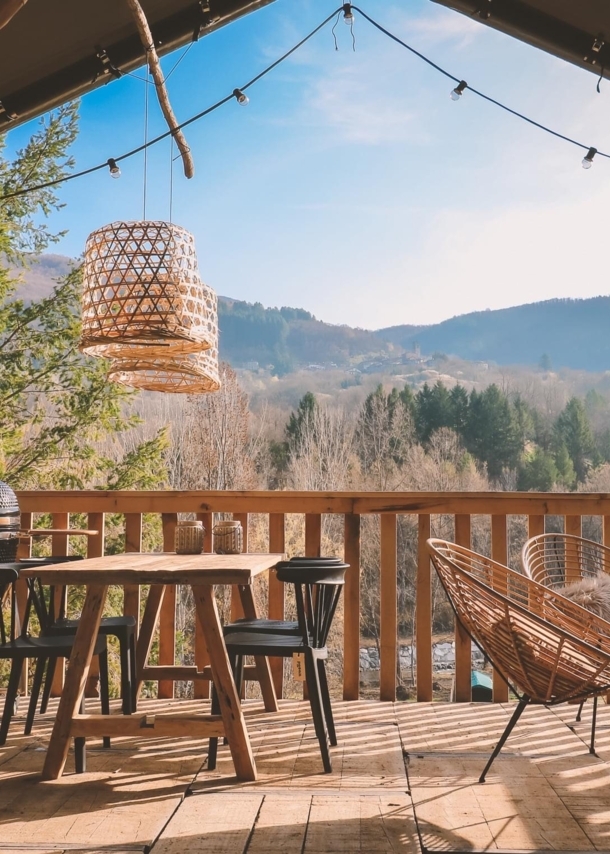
x=142, y=294
x=190, y=373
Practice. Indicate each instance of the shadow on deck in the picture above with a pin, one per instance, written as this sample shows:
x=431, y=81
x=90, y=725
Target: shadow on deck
x=404, y=780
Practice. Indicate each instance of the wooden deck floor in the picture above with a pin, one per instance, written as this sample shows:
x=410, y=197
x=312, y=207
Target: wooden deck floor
x=404, y=780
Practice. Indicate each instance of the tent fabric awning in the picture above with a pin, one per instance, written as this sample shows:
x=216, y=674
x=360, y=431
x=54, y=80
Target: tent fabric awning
x=52, y=51
x=575, y=30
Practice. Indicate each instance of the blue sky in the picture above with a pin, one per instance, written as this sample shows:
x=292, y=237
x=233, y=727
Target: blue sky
x=351, y=185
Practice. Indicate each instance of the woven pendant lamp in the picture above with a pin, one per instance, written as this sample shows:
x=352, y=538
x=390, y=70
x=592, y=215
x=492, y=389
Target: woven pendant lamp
x=190, y=373
x=142, y=295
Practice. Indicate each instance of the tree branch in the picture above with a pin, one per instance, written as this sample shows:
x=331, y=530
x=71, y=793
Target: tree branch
x=157, y=74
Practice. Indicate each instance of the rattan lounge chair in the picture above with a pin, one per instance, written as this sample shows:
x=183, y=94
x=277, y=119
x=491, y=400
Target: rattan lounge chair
x=559, y=559
x=548, y=649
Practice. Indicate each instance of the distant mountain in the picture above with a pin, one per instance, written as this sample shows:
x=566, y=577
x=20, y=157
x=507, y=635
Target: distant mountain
x=38, y=279
x=573, y=333
x=566, y=332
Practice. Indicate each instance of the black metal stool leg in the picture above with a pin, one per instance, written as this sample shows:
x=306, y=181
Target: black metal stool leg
x=213, y=742
x=48, y=684
x=80, y=747
x=36, y=684
x=104, y=690
x=515, y=717
x=593, y=723
x=579, y=712
x=328, y=711
x=11, y=696
x=315, y=700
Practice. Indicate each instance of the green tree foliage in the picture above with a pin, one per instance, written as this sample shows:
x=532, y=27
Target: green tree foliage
x=538, y=472
x=432, y=410
x=492, y=431
x=573, y=430
x=60, y=416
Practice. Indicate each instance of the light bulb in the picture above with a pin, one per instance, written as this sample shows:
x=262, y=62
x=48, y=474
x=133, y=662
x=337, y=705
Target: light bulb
x=456, y=93
x=241, y=97
x=587, y=160
x=348, y=18
x=114, y=168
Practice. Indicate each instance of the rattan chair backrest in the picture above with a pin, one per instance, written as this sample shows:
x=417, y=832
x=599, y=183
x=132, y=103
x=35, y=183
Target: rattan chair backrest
x=559, y=559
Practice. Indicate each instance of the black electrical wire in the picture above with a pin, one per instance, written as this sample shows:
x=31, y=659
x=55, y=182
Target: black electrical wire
x=169, y=133
x=273, y=65
x=475, y=91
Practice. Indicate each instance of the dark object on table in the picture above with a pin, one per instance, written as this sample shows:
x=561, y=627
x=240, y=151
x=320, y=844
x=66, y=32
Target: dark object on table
x=10, y=523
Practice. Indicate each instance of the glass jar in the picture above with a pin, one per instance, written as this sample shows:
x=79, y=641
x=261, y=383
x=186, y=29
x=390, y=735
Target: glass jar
x=188, y=538
x=228, y=538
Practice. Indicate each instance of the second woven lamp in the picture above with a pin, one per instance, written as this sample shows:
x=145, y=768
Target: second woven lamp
x=142, y=295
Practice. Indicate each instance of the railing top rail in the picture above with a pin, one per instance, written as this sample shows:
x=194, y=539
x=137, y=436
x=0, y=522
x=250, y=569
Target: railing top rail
x=181, y=501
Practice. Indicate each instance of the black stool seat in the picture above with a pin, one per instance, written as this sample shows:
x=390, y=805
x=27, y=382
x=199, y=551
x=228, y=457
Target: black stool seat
x=280, y=627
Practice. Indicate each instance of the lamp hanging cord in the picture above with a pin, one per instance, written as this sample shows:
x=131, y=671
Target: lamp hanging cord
x=154, y=67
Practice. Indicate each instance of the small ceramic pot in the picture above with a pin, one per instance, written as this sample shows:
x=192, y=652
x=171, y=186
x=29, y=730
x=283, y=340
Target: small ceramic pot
x=188, y=539
x=228, y=538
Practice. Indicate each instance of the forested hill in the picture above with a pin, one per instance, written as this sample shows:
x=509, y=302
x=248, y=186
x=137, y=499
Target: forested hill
x=572, y=333
x=556, y=333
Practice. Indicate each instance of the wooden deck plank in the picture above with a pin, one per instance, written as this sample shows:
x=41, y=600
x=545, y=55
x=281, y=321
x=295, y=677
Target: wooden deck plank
x=545, y=792
x=211, y=824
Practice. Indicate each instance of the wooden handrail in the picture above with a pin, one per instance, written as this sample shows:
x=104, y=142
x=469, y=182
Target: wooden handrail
x=313, y=506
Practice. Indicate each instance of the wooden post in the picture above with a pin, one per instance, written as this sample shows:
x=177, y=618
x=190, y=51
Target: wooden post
x=499, y=553
x=535, y=526
x=463, y=650
x=388, y=608
x=237, y=611
x=277, y=545
x=59, y=547
x=167, y=619
x=423, y=613
x=351, y=609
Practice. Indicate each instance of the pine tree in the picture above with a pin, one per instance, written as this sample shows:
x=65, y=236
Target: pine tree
x=59, y=412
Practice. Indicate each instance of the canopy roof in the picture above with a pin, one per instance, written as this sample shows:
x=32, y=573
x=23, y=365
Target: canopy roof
x=54, y=50
x=575, y=30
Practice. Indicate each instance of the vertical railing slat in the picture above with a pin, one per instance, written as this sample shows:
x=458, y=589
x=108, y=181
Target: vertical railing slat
x=237, y=611
x=463, y=647
x=351, y=608
x=388, y=608
x=313, y=534
x=167, y=617
x=133, y=543
x=201, y=688
x=277, y=545
x=423, y=613
x=606, y=530
x=499, y=553
x=535, y=526
x=95, y=548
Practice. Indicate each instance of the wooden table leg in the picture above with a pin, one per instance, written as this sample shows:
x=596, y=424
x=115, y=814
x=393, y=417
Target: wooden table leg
x=150, y=618
x=78, y=670
x=263, y=671
x=230, y=707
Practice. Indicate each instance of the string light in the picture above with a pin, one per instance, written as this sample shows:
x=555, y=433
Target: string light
x=456, y=93
x=241, y=97
x=587, y=160
x=115, y=170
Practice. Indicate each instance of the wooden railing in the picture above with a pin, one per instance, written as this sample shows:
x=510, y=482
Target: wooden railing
x=499, y=506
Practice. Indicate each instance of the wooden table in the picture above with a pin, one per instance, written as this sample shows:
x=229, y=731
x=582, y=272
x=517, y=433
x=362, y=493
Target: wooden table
x=201, y=572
